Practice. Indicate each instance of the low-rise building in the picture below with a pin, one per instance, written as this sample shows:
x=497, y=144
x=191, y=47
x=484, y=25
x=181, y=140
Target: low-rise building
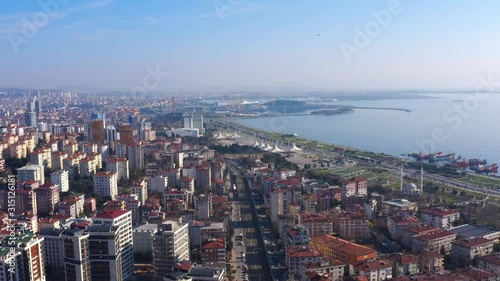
x=298, y=256
x=213, y=252
x=469, y=248
x=397, y=223
x=296, y=235
x=439, y=241
x=440, y=217
x=404, y=264
x=375, y=269
x=490, y=263
x=334, y=248
x=430, y=261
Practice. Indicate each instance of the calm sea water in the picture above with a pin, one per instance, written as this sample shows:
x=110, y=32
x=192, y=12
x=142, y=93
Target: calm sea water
x=466, y=124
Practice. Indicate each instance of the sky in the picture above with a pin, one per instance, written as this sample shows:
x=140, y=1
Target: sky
x=246, y=45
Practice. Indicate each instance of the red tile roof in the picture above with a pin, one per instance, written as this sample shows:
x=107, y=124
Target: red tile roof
x=213, y=244
x=111, y=214
x=440, y=212
x=474, y=242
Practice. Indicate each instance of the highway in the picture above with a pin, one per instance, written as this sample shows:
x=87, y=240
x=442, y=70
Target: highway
x=244, y=221
x=494, y=195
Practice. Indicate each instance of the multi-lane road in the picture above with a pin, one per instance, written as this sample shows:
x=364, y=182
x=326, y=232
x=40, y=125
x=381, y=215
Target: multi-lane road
x=248, y=255
x=493, y=195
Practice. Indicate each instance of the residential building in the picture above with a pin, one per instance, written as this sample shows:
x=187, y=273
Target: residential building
x=490, y=263
x=140, y=187
x=213, y=252
x=61, y=178
x=440, y=217
x=32, y=260
x=205, y=273
x=187, y=183
x=439, y=241
x=170, y=246
x=143, y=238
x=203, y=179
x=404, y=264
x=276, y=205
x=136, y=156
x=396, y=224
x=105, y=184
x=296, y=235
x=351, y=225
x=409, y=232
x=318, y=224
x=157, y=183
x=119, y=165
x=203, y=206
x=110, y=246
x=31, y=172
x=375, y=269
x=469, y=248
x=298, y=256
x=430, y=261
x=354, y=187
x=76, y=254
x=47, y=197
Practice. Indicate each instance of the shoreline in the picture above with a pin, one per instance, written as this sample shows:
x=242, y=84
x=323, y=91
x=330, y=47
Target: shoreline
x=362, y=156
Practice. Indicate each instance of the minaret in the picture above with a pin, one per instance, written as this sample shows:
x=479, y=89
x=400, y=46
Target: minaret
x=401, y=180
x=422, y=178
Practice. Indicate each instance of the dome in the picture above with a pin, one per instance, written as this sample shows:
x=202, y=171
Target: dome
x=411, y=187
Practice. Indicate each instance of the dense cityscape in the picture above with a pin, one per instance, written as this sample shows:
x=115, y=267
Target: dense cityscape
x=170, y=188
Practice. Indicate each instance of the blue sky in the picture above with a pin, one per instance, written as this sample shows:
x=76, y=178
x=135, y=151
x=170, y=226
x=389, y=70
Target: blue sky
x=231, y=45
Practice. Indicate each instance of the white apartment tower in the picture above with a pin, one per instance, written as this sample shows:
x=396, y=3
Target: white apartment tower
x=61, y=178
x=106, y=184
x=170, y=246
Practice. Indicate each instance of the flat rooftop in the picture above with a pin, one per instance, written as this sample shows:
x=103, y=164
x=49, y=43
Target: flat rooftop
x=471, y=230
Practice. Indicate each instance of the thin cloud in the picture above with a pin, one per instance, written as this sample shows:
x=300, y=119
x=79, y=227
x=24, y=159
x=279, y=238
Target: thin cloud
x=245, y=8
x=12, y=23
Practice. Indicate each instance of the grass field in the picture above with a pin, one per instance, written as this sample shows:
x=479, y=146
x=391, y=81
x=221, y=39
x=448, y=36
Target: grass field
x=481, y=181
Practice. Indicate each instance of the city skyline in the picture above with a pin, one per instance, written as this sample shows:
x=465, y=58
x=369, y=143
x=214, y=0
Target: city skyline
x=223, y=45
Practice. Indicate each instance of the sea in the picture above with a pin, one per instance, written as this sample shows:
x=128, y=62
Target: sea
x=464, y=123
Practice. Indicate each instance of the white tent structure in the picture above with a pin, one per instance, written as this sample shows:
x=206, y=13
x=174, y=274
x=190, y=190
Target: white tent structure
x=256, y=144
x=268, y=148
x=276, y=149
x=295, y=148
x=219, y=136
x=235, y=135
x=262, y=145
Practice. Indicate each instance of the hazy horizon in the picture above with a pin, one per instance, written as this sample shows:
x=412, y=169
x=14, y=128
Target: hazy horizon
x=243, y=45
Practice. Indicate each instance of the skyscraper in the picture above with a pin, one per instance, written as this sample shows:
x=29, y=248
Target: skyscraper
x=30, y=119
x=97, y=131
x=31, y=106
x=136, y=156
x=126, y=134
x=38, y=106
